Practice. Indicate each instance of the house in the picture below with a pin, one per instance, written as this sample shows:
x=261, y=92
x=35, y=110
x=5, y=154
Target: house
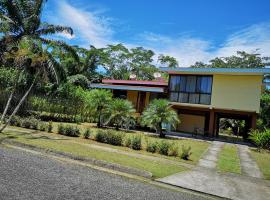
x=140, y=93
x=201, y=96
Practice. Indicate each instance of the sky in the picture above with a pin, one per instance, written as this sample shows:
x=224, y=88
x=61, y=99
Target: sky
x=189, y=30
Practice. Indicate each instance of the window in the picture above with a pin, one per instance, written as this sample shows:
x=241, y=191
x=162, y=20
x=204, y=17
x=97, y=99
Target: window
x=191, y=89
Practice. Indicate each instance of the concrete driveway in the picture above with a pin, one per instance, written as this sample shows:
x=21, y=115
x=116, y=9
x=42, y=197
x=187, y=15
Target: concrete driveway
x=206, y=179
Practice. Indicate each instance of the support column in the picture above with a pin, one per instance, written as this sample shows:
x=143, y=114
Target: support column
x=211, y=123
x=253, y=121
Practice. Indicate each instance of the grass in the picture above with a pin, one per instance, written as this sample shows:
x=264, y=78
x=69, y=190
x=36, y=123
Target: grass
x=157, y=168
x=197, y=147
x=263, y=160
x=228, y=160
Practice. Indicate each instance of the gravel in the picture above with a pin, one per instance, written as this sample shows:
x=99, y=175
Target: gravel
x=28, y=176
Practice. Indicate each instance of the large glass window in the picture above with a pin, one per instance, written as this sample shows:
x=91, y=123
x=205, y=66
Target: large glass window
x=191, y=89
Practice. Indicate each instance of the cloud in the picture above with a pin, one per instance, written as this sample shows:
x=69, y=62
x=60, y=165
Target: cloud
x=92, y=27
x=89, y=27
x=188, y=50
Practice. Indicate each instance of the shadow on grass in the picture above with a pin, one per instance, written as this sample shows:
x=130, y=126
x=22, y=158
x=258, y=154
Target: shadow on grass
x=44, y=138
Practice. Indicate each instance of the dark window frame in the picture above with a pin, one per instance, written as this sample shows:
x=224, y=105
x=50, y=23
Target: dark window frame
x=188, y=93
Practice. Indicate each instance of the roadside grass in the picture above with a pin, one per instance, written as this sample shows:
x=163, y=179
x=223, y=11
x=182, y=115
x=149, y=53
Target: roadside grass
x=157, y=168
x=228, y=159
x=263, y=160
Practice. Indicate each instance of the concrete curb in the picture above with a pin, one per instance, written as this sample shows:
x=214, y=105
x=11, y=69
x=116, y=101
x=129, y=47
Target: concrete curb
x=99, y=163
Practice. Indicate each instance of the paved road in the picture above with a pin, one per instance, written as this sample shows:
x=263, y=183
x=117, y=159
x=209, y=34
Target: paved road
x=27, y=176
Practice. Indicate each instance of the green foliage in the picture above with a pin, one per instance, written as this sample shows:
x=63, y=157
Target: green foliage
x=136, y=142
x=78, y=80
x=109, y=137
x=151, y=146
x=185, y=153
x=157, y=113
x=127, y=141
x=163, y=147
x=87, y=133
x=50, y=127
x=261, y=139
x=16, y=121
x=69, y=130
x=120, y=111
x=30, y=122
x=168, y=61
x=173, y=150
x=265, y=109
x=43, y=126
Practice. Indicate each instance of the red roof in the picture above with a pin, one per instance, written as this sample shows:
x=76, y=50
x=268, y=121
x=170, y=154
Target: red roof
x=136, y=82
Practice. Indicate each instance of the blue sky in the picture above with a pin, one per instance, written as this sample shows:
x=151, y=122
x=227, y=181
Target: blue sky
x=190, y=30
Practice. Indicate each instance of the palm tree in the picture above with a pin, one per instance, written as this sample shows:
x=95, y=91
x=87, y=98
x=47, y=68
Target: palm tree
x=121, y=112
x=99, y=101
x=19, y=19
x=37, y=65
x=157, y=113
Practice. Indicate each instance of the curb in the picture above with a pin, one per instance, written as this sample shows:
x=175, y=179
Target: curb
x=92, y=161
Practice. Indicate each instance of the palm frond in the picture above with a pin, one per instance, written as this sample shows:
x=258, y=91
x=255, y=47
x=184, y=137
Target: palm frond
x=51, y=29
x=62, y=45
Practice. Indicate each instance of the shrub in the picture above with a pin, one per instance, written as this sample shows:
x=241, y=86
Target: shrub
x=163, y=147
x=43, y=126
x=152, y=146
x=127, y=142
x=110, y=137
x=26, y=123
x=261, y=139
x=61, y=129
x=173, y=150
x=87, y=133
x=136, y=142
x=50, y=127
x=114, y=138
x=100, y=136
x=72, y=131
x=186, y=153
x=16, y=121
x=34, y=123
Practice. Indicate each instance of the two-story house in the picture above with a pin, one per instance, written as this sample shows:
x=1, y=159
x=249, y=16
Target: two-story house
x=201, y=96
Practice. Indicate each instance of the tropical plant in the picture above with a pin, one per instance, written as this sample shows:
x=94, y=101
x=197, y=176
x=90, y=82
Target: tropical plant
x=261, y=139
x=157, y=113
x=99, y=101
x=21, y=27
x=186, y=153
x=120, y=111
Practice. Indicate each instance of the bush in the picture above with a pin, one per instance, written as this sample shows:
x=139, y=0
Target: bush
x=87, y=133
x=185, y=154
x=50, y=127
x=72, y=131
x=26, y=123
x=34, y=123
x=163, y=147
x=127, y=142
x=61, y=129
x=261, y=139
x=100, y=136
x=16, y=121
x=173, y=150
x=43, y=126
x=110, y=137
x=136, y=142
x=152, y=146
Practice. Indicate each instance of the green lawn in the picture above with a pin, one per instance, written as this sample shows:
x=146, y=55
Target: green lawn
x=157, y=168
x=263, y=160
x=228, y=159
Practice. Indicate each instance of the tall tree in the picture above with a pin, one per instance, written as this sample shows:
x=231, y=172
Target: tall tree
x=168, y=61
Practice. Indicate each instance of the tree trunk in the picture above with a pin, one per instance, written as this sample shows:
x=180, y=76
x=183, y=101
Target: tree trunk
x=18, y=106
x=159, y=131
x=7, y=106
x=99, y=120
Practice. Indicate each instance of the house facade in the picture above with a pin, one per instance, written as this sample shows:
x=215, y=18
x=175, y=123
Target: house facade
x=201, y=96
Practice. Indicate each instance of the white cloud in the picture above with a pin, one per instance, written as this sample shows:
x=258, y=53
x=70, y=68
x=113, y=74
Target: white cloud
x=89, y=26
x=188, y=50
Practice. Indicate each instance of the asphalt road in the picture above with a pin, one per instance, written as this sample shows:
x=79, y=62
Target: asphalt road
x=28, y=176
